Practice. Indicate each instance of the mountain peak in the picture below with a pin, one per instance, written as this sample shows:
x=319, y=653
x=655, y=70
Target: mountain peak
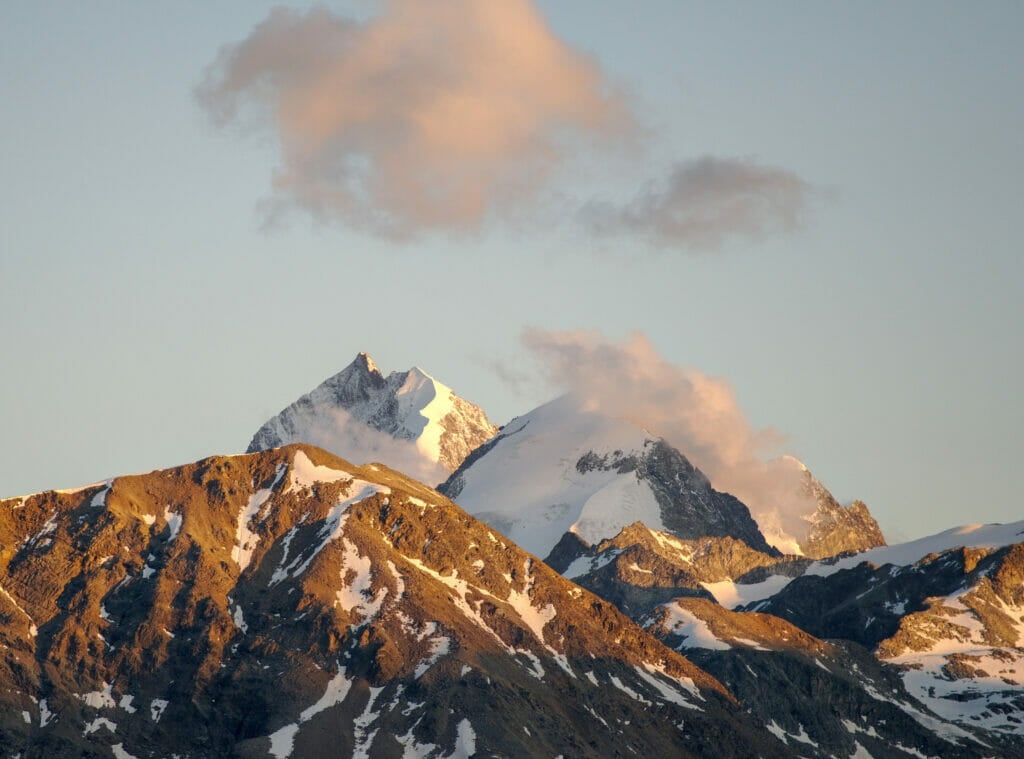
x=364, y=362
x=563, y=467
x=407, y=420
x=836, y=529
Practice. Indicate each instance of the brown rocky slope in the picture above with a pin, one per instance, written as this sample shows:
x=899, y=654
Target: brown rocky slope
x=286, y=603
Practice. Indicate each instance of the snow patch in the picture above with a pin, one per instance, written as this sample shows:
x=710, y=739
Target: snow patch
x=173, y=520
x=49, y=526
x=413, y=750
x=99, y=699
x=460, y=590
x=334, y=523
x=247, y=540
x=439, y=647
x=239, y=620
x=533, y=617
x=730, y=594
x=363, y=739
x=628, y=691
x=9, y=597
x=535, y=668
x=353, y=596
x=648, y=672
x=587, y=564
x=305, y=473
x=691, y=628
x=97, y=723
x=281, y=571
x=465, y=741
x=100, y=499
x=281, y=741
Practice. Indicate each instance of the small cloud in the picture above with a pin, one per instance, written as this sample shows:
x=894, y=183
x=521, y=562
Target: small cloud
x=433, y=115
x=340, y=433
x=696, y=413
x=705, y=202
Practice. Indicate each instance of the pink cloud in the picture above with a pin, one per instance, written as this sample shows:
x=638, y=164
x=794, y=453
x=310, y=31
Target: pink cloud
x=696, y=413
x=432, y=115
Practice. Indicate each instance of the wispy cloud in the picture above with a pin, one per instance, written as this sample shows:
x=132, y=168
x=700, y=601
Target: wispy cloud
x=433, y=115
x=696, y=413
x=705, y=202
x=340, y=433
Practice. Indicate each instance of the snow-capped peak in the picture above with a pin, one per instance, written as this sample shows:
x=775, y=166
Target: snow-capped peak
x=565, y=467
x=407, y=420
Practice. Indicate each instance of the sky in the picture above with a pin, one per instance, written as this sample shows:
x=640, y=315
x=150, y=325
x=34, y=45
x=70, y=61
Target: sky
x=205, y=211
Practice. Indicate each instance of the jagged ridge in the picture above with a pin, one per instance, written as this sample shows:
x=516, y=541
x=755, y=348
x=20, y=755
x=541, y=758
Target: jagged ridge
x=440, y=427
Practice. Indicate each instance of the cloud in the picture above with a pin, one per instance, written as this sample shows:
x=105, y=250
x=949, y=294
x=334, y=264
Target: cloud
x=434, y=115
x=696, y=413
x=705, y=202
x=351, y=439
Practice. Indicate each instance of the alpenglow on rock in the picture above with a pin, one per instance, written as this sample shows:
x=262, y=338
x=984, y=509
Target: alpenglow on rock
x=836, y=529
x=407, y=420
x=288, y=604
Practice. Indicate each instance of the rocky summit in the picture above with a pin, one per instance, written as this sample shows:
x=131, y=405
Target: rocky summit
x=407, y=420
x=289, y=604
x=834, y=529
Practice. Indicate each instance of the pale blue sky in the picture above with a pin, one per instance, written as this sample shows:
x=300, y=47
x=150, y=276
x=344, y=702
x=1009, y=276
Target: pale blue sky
x=148, y=319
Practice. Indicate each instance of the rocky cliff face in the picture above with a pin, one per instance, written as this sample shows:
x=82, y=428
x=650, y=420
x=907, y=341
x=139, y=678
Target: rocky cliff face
x=835, y=529
x=287, y=603
x=641, y=568
x=424, y=428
